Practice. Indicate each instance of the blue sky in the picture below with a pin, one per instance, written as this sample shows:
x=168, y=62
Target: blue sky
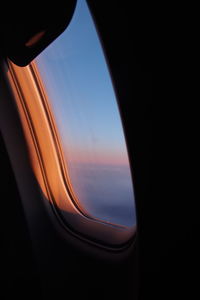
x=78, y=83
x=80, y=92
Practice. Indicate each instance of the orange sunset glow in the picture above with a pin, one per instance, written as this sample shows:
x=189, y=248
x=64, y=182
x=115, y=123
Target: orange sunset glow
x=72, y=124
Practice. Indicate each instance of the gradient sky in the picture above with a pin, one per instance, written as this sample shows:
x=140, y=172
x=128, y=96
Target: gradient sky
x=81, y=94
x=79, y=85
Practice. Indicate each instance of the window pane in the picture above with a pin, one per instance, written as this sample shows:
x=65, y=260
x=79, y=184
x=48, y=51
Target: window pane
x=82, y=100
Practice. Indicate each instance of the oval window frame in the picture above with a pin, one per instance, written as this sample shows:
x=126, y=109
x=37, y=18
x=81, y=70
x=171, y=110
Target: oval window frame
x=46, y=155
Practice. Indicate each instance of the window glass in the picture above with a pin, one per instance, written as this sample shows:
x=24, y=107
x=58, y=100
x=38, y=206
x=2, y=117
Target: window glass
x=82, y=100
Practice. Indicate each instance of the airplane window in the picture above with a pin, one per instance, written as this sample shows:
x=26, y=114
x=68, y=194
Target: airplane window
x=77, y=82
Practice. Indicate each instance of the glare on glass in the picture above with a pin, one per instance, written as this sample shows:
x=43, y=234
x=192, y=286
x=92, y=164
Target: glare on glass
x=83, y=102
